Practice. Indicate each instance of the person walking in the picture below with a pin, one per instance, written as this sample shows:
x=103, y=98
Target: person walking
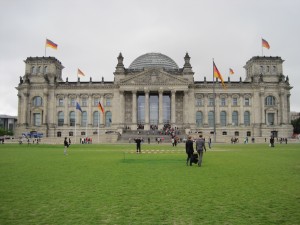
x=189, y=149
x=200, y=146
x=66, y=144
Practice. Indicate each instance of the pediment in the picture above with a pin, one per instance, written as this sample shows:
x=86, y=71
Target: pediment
x=154, y=78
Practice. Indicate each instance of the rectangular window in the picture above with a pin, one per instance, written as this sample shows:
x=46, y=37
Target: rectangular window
x=108, y=103
x=247, y=102
x=61, y=102
x=84, y=101
x=72, y=102
x=223, y=101
x=96, y=101
x=198, y=102
x=211, y=102
x=271, y=118
x=37, y=119
x=234, y=101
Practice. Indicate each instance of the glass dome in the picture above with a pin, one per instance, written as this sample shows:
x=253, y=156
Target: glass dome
x=153, y=60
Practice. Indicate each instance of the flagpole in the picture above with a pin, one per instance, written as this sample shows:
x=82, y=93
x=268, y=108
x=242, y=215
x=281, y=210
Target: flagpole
x=45, y=47
x=214, y=94
x=262, y=48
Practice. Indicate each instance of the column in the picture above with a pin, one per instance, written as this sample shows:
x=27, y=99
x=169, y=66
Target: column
x=262, y=103
x=241, y=113
x=217, y=107
x=77, y=114
x=90, y=111
x=186, y=107
x=281, y=111
x=45, y=113
x=288, y=107
x=147, y=126
x=229, y=112
x=27, y=109
x=66, y=110
x=134, y=108
x=20, y=116
x=122, y=108
x=205, y=113
x=173, y=107
x=160, y=107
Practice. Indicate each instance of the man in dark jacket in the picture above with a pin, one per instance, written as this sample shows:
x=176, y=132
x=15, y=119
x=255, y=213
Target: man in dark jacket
x=189, y=149
x=200, y=145
x=138, y=145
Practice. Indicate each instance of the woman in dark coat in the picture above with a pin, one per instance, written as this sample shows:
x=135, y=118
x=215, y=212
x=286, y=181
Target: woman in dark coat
x=189, y=149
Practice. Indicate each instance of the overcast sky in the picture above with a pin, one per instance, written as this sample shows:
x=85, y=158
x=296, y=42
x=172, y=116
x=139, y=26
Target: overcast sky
x=91, y=33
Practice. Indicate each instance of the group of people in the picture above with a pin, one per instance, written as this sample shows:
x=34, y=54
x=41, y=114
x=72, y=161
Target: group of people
x=189, y=148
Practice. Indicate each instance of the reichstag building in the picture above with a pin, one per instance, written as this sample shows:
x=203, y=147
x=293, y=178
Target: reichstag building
x=154, y=93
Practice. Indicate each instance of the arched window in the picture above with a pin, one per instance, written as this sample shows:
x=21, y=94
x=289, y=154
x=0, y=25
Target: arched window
x=95, y=118
x=72, y=118
x=235, y=118
x=108, y=120
x=223, y=118
x=39, y=69
x=270, y=100
x=45, y=69
x=33, y=70
x=199, y=119
x=84, y=118
x=60, y=118
x=261, y=69
x=37, y=101
x=211, y=119
x=246, y=118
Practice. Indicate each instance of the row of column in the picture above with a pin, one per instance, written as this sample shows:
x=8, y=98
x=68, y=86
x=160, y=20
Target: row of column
x=147, y=116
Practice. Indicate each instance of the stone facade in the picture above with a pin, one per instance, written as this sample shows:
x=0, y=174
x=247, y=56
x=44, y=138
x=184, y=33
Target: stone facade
x=155, y=92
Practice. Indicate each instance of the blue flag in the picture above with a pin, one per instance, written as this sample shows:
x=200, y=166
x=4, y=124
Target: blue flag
x=78, y=107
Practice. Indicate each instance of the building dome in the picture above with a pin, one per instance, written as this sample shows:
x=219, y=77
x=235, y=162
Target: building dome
x=153, y=60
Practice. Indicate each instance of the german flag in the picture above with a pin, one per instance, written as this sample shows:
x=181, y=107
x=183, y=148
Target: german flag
x=265, y=44
x=100, y=107
x=231, y=71
x=218, y=75
x=51, y=44
x=79, y=72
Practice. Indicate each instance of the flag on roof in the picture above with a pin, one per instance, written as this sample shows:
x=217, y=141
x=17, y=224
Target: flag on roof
x=218, y=75
x=231, y=71
x=51, y=44
x=79, y=72
x=265, y=44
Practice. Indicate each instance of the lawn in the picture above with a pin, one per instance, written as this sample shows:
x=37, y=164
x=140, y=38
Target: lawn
x=110, y=184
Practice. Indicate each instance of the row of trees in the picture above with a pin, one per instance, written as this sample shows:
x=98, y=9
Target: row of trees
x=296, y=125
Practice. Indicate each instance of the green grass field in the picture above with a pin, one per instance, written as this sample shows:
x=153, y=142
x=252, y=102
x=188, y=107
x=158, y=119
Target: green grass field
x=110, y=184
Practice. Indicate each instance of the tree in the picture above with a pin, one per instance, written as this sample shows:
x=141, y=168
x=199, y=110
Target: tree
x=296, y=125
